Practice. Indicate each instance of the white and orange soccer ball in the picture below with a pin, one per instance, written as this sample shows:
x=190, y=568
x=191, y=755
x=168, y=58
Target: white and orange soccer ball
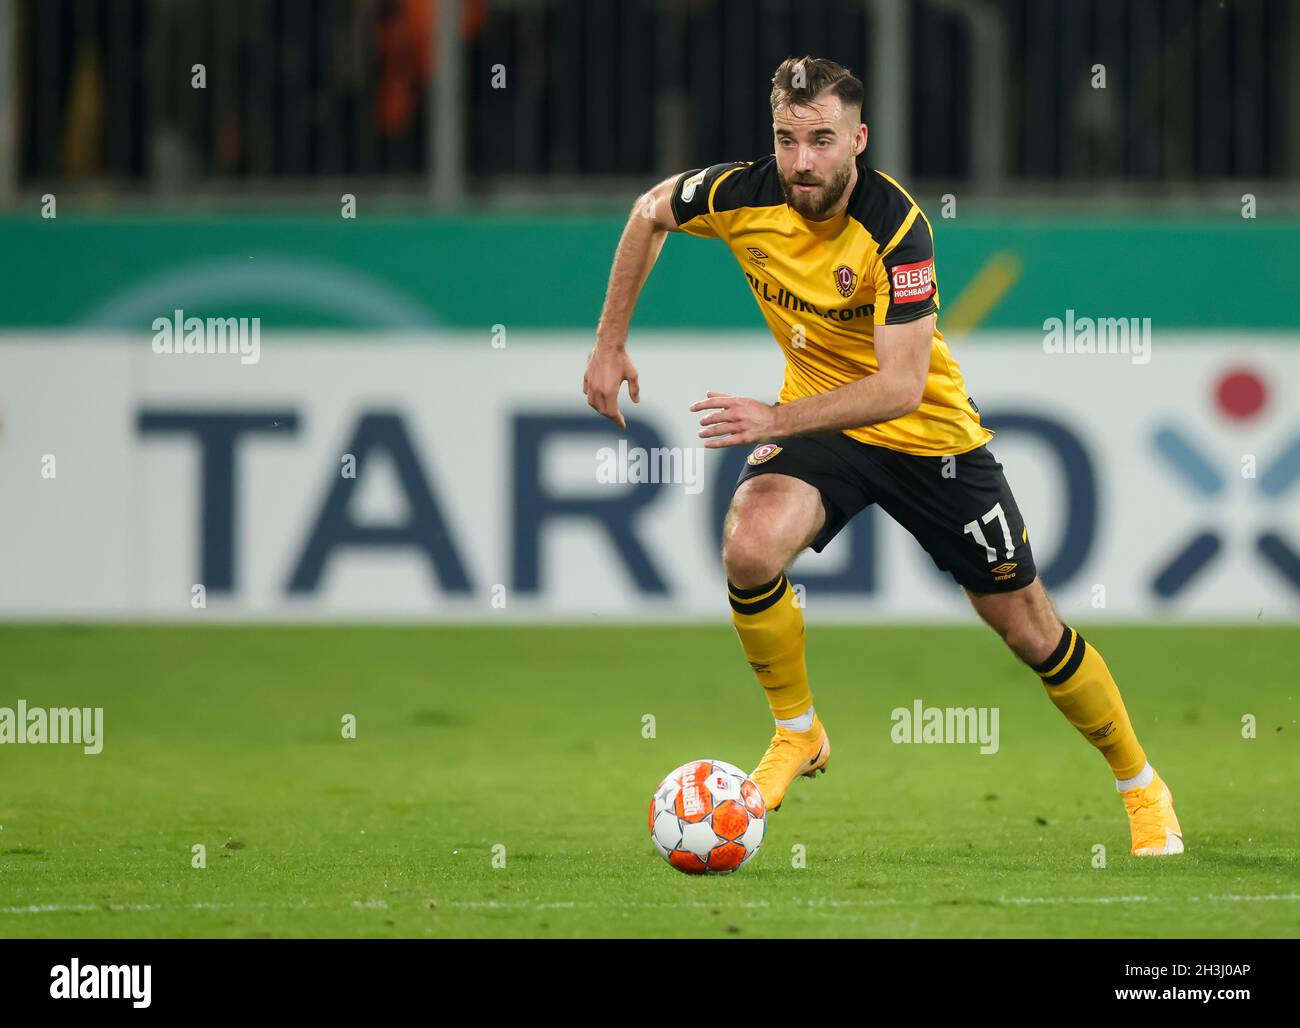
x=707, y=817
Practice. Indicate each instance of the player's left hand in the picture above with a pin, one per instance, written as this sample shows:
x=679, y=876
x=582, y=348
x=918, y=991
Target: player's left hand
x=739, y=420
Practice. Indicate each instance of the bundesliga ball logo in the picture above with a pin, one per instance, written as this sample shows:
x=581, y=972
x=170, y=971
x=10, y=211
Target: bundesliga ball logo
x=707, y=817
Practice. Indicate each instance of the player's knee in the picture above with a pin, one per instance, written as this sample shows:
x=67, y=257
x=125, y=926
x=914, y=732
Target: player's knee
x=751, y=558
x=1025, y=619
x=1020, y=639
x=1029, y=640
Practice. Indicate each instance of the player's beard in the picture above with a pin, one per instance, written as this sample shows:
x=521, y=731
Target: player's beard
x=815, y=205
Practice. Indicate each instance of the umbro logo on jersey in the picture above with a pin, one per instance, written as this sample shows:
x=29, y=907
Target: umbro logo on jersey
x=846, y=281
x=757, y=256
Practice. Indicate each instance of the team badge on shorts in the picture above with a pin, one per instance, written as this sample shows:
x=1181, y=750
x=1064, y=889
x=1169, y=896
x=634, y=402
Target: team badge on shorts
x=765, y=452
x=846, y=280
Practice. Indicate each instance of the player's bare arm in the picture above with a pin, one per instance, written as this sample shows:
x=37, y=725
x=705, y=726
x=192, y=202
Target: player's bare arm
x=608, y=364
x=903, y=354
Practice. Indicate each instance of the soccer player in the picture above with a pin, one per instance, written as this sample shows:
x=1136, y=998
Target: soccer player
x=873, y=410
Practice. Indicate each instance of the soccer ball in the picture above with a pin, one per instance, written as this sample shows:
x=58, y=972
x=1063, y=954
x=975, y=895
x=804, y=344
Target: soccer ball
x=707, y=817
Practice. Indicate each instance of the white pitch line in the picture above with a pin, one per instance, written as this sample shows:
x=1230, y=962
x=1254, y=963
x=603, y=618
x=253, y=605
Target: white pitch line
x=720, y=902
x=81, y=908
x=1282, y=898
x=963, y=901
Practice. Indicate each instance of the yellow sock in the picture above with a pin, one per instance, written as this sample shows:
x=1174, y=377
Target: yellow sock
x=1081, y=686
x=771, y=630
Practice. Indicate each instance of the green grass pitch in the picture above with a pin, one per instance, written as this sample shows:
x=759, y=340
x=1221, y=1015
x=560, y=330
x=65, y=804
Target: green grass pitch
x=531, y=738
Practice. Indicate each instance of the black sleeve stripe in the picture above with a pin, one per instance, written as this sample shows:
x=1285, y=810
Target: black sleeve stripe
x=713, y=189
x=753, y=185
x=908, y=263
x=912, y=244
x=881, y=206
x=903, y=231
x=724, y=187
x=902, y=319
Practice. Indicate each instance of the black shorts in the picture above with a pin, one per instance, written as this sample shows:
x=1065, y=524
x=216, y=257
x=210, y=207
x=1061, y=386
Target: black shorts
x=959, y=508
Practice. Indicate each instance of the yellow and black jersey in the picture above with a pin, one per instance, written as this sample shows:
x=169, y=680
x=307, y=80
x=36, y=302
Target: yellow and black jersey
x=823, y=286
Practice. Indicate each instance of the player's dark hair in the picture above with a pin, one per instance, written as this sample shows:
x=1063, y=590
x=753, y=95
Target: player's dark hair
x=799, y=80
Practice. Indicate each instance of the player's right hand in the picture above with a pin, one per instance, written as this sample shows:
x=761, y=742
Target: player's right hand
x=607, y=369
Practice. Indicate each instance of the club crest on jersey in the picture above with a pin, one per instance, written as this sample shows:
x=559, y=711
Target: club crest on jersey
x=846, y=280
x=765, y=452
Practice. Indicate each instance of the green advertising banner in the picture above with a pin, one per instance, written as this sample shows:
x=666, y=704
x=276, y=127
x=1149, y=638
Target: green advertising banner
x=540, y=273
